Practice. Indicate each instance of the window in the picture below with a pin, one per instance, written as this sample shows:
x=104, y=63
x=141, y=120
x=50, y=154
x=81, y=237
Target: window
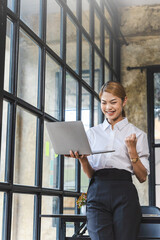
x=55, y=55
x=154, y=133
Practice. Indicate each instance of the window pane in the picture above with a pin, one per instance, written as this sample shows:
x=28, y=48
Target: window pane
x=8, y=55
x=107, y=44
x=86, y=51
x=106, y=73
x=25, y=148
x=107, y=16
x=71, y=98
x=97, y=30
x=49, y=226
x=85, y=116
x=52, y=87
x=69, y=205
x=97, y=112
x=2, y=213
x=84, y=181
x=157, y=161
x=85, y=14
x=98, y=1
x=114, y=55
x=28, y=69
x=10, y=4
x=4, y=142
x=71, y=47
x=53, y=30
x=50, y=163
x=69, y=208
x=158, y=196
x=157, y=107
x=22, y=217
x=97, y=75
x=72, y=5
x=29, y=13
x=69, y=174
x=86, y=108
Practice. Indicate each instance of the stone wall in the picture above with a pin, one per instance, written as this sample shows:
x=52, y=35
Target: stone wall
x=141, y=27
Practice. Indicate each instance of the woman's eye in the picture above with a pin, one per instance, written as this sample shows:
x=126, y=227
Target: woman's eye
x=114, y=102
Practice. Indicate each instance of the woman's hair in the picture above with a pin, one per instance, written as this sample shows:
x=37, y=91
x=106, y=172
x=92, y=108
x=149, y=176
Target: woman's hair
x=116, y=89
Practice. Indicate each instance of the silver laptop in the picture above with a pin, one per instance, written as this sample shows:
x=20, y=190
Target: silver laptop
x=66, y=136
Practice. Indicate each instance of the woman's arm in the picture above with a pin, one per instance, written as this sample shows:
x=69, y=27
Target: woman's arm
x=138, y=168
x=84, y=163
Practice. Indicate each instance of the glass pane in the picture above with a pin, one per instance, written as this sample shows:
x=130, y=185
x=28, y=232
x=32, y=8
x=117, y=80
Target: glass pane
x=97, y=29
x=106, y=73
x=97, y=112
x=85, y=116
x=86, y=108
x=114, y=55
x=29, y=13
x=4, y=142
x=72, y=5
x=69, y=205
x=49, y=226
x=157, y=107
x=22, y=217
x=84, y=181
x=99, y=2
x=69, y=174
x=53, y=31
x=157, y=161
x=158, y=196
x=8, y=55
x=85, y=14
x=71, y=47
x=86, y=51
x=50, y=163
x=69, y=208
x=2, y=211
x=10, y=4
x=106, y=45
x=25, y=148
x=52, y=87
x=97, y=75
x=71, y=98
x=28, y=69
x=107, y=16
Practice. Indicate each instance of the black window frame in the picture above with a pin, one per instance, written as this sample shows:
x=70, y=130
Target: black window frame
x=152, y=145
x=9, y=187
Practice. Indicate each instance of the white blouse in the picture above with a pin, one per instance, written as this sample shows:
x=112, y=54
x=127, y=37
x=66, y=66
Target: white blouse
x=102, y=137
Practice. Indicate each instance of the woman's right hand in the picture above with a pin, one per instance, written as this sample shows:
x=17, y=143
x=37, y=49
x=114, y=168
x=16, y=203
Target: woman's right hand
x=76, y=155
x=84, y=162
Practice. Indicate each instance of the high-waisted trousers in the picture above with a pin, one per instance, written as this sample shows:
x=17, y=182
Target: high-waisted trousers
x=113, y=209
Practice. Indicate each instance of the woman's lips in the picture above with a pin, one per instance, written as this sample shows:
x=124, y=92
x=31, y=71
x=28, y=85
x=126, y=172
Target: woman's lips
x=110, y=113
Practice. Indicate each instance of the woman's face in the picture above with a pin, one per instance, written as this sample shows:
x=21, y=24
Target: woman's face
x=112, y=107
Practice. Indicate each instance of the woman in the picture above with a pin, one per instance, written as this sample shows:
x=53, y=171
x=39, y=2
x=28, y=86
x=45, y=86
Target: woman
x=113, y=209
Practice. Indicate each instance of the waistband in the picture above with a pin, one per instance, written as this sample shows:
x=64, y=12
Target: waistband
x=113, y=174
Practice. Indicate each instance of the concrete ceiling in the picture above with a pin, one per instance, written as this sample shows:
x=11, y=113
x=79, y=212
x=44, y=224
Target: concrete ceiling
x=129, y=3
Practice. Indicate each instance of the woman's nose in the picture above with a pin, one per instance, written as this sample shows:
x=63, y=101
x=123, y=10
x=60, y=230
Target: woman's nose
x=108, y=106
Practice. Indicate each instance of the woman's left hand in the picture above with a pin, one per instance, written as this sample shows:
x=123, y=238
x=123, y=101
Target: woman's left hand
x=131, y=142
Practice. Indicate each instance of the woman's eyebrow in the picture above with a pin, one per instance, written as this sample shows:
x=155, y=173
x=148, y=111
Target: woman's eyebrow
x=114, y=99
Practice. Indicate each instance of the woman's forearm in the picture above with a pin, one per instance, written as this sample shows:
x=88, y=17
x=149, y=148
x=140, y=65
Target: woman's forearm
x=86, y=167
x=138, y=168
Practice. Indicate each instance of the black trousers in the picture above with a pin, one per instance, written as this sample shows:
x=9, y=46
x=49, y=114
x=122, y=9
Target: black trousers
x=113, y=209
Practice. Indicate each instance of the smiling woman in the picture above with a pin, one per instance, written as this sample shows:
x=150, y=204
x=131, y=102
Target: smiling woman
x=112, y=198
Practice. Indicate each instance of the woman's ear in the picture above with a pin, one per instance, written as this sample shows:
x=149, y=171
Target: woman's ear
x=124, y=101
